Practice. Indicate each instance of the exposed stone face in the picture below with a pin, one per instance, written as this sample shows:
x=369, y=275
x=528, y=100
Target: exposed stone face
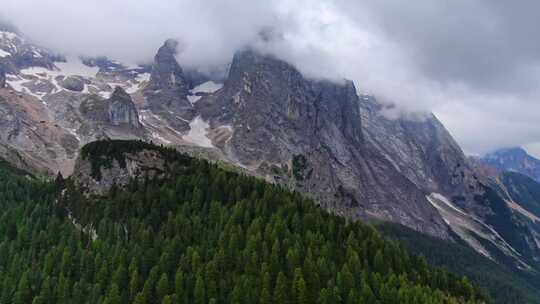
x=118, y=110
x=95, y=108
x=122, y=110
x=422, y=149
x=138, y=165
x=73, y=83
x=166, y=93
x=166, y=72
x=277, y=115
x=2, y=78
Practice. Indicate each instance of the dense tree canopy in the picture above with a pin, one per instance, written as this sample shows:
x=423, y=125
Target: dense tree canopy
x=203, y=235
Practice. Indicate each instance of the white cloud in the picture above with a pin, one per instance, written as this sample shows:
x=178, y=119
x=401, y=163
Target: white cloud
x=475, y=67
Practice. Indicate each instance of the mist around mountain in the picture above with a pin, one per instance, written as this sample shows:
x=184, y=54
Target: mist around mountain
x=115, y=130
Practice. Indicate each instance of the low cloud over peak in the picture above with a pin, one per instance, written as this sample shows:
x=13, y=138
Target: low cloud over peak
x=475, y=64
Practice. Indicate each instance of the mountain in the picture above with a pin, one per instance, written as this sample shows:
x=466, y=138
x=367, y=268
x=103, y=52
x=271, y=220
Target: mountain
x=308, y=135
x=191, y=232
x=514, y=159
x=265, y=119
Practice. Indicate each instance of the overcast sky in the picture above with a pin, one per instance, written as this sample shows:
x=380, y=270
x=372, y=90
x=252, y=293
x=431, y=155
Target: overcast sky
x=474, y=63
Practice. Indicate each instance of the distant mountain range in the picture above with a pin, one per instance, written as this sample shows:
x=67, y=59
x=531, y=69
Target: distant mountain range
x=515, y=160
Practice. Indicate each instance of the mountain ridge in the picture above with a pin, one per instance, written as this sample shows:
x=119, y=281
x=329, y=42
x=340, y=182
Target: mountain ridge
x=514, y=159
x=317, y=137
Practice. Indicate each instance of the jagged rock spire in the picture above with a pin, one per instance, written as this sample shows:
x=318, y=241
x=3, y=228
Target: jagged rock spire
x=166, y=72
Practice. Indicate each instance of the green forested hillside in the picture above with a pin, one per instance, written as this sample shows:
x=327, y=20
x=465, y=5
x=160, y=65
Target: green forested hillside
x=523, y=190
x=204, y=235
x=504, y=285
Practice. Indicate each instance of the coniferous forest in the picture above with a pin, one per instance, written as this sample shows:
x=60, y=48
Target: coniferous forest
x=201, y=235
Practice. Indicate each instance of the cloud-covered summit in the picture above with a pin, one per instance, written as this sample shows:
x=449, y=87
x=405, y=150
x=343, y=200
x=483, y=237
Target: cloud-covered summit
x=474, y=63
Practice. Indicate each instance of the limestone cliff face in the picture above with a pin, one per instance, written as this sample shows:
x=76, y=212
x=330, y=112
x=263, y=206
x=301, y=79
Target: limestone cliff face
x=137, y=165
x=122, y=110
x=422, y=149
x=118, y=111
x=166, y=72
x=308, y=134
x=168, y=88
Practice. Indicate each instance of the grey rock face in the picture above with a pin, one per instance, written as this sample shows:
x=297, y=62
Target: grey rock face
x=166, y=93
x=95, y=108
x=422, y=149
x=138, y=165
x=166, y=72
x=122, y=110
x=279, y=117
x=2, y=78
x=118, y=110
x=73, y=83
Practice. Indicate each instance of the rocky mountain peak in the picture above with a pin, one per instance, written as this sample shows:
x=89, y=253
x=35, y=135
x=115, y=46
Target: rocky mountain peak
x=166, y=72
x=307, y=134
x=276, y=87
x=514, y=159
x=513, y=152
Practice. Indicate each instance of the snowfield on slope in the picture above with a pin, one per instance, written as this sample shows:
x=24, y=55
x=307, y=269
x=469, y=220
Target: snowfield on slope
x=207, y=87
x=198, y=134
x=4, y=53
x=469, y=228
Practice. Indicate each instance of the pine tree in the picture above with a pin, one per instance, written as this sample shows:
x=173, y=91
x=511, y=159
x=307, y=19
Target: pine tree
x=281, y=290
x=162, y=287
x=167, y=300
x=23, y=295
x=140, y=299
x=199, y=291
x=299, y=287
x=179, y=284
x=265, y=297
x=134, y=284
x=114, y=296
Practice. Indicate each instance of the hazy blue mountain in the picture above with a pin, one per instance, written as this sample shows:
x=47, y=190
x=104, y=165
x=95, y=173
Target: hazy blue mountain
x=514, y=159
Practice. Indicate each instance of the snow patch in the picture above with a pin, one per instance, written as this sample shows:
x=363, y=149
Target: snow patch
x=9, y=35
x=75, y=67
x=143, y=77
x=207, y=87
x=105, y=94
x=74, y=133
x=18, y=83
x=193, y=98
x=44, y=74
x=198, y=134
x=469, y=228
x=160, y=138
x=4, y=54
